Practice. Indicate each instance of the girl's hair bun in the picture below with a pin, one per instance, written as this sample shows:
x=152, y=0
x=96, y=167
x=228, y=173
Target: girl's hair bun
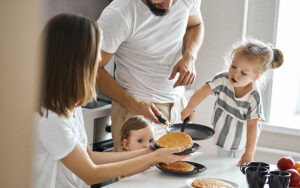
x=277, y=58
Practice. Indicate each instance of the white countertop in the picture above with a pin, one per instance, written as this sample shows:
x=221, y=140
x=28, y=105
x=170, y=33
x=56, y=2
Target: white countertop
x=221, y=168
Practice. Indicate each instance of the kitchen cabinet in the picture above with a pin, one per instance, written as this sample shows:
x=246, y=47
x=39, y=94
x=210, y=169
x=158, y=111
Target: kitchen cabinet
x=90, y=115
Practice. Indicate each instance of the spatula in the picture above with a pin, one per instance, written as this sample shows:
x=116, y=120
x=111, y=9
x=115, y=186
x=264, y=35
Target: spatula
x=167, y=123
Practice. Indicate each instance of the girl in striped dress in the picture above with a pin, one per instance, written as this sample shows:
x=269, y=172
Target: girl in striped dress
x=238, y=107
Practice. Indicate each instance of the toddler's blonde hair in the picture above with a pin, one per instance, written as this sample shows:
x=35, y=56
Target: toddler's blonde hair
x=262, y=54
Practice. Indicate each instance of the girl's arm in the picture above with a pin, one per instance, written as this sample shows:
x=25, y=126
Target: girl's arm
x=79, y=162
x=251, y=141
x=196, y=99
x=110, y=157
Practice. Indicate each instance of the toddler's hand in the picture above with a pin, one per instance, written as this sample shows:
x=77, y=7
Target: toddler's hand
x=187, y=112
x=245, y=159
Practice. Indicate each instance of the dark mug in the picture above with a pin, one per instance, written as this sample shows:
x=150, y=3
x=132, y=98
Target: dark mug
x=255, y=164
x=279, y=179
x=256, y=176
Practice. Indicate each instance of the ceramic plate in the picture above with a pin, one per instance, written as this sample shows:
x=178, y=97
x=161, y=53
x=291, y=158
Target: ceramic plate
x=192, y=149
x=190, y=181
x=198, y=169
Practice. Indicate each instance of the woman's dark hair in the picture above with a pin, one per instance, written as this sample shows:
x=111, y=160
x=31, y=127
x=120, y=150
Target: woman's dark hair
x=71, y=47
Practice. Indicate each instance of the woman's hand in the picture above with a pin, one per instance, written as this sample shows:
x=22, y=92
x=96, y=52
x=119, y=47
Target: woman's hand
x=245, y=159
x=187, y=112
x=166, y=155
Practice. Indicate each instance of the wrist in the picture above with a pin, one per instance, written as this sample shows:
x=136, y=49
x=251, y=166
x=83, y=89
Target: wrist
x=153, y=158
x=250, y=153
x=191, y=107
x=132, y=105
x=146, y=151
x=189, y=56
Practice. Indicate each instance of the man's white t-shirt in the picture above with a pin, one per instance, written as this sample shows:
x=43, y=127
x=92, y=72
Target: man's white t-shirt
x=146, y=47
x=56, y=137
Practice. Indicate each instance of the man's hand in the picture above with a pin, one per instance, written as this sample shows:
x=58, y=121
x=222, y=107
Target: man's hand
x=186, y=69
x=148, y=110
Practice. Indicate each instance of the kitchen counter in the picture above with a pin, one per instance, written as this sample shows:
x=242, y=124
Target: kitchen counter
x=220, y=168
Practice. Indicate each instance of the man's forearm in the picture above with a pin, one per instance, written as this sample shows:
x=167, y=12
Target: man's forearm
x=193, y=40
x=109, y=87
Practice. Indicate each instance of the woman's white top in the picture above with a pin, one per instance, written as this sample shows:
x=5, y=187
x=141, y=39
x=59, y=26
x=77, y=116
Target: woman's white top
x=56, y=137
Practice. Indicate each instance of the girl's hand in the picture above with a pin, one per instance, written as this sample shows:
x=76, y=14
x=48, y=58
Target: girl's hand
x=245, y=159
x=166, y=155
x=187, y=112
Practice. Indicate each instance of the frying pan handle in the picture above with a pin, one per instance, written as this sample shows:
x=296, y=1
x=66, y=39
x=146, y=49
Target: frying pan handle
x=186, y=120
x=161, y=119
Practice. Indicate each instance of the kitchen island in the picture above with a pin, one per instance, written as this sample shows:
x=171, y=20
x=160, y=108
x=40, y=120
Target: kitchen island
x=220, y=168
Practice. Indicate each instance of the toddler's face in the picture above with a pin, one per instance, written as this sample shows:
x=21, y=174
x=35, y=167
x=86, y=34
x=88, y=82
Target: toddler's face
x=138, y=139
x=242, y=72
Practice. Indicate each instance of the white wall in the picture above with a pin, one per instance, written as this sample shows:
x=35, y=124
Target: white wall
x=223, y=22
x=89, y=8
x=262, y=24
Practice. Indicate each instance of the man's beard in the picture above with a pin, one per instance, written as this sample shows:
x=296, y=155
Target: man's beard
x=154, y=10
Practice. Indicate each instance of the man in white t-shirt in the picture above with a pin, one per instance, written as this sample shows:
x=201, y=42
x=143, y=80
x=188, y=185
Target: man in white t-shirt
x=155, y=45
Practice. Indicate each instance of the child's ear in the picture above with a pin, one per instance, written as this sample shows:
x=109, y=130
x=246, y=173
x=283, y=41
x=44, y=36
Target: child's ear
x=125, y=144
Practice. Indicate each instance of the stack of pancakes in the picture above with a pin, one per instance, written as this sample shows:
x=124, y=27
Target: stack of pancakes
x=207, y=182
x=174, y=140
x=178, y=166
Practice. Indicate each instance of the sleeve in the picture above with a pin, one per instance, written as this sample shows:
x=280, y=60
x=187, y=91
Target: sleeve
x=256, y=108
x=217, y=82
x=115, y=30
x=195, y=7
x=57, y=137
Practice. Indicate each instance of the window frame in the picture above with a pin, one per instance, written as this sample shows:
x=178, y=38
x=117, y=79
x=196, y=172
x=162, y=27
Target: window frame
x=270, y=126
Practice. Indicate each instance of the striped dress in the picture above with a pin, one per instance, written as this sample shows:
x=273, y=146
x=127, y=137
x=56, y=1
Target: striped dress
x=230, y=114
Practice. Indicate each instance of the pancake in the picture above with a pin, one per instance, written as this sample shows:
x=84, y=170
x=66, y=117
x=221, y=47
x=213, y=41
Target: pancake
x=178, y=166
x=174, y=140
x=207, y=182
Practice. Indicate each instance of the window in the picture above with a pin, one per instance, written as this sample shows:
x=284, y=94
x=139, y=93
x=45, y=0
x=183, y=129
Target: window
x=285, y=100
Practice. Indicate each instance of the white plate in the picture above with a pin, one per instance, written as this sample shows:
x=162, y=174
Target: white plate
x=190, y=181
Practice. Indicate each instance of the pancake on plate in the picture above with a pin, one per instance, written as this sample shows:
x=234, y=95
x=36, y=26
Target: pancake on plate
x=207, y=182
x=174, y=140
x=178, y=166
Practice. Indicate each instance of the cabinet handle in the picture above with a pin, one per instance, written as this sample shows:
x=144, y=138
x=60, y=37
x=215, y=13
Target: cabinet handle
x=108, y=128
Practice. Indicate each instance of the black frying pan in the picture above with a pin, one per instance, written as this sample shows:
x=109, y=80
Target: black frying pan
x=196, y=131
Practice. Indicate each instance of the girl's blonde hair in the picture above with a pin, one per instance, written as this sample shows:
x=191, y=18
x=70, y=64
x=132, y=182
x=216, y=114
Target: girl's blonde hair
x=71, y=45
x=260, y=53
x=133, y=123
